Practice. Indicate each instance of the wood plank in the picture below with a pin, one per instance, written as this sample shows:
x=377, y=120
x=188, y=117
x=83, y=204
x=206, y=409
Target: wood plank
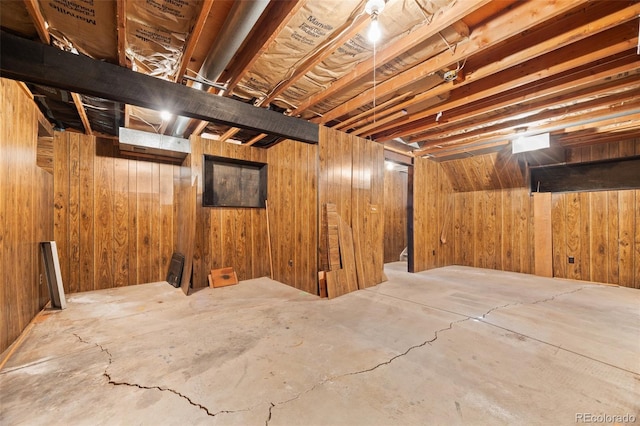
x=103, y=219
x=121, y=222
x=599, y=238
x=613, y=224
x=508, y=212
x=35, y=62
x=348, y=256
x=187, y=244
x=543, y=249
x=74, y=212
x=144, y=205
x=132, y=223
x=627, y=231
x=86, y=211
x=559, y=234
x=61, y=205
x=167, y=198
x=573, y=236
x=156, y=273
x=585, y=232
x=636, y=257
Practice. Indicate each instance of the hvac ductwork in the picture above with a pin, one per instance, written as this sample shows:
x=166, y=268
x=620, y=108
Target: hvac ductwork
x=242, y=18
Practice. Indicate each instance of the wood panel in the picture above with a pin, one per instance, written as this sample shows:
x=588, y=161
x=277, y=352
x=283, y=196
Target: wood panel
x=26, y=215
x=499, y=170
x=113, y=216
x=488, y=229
x=227, y=237
x=293, y=213
x=351, y=176
x=599, y=230
x=395, y=214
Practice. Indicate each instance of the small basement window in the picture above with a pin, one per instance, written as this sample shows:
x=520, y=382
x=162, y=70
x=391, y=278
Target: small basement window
x=234, y=183
x=607, y=175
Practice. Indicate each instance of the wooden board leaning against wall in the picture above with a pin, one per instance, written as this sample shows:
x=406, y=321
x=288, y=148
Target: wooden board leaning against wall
x=351, y=176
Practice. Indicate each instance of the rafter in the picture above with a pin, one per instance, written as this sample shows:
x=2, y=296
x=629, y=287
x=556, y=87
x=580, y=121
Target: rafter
x=194, y=38
x=544, y=122
x=562, y=99
x=286, y=11
x=529, y=93
x=505, y=31
x=443, y=19
x=82, y=113
x=514, y=77
x=33, y=8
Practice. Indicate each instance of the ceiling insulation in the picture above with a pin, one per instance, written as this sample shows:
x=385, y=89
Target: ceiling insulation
x=156, y=34
x=86, y=26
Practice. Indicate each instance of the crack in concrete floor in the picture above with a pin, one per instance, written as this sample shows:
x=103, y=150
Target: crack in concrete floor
x=411, y=348
x=273, y=405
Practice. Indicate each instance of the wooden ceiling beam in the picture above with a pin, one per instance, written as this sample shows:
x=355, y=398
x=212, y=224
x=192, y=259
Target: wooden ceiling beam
x=383, y=106
x=255, y=139
x=483, y=38
x=30, y=61
x=275, y=22
x=517, y=58
x=121, y=32
x=514, y=77
x=229, y=134
x=575, y=81
x=545, y=122
x=459, y=127
x=442, y=19
x=82, y=113
x=194, y=38
x=33, y=9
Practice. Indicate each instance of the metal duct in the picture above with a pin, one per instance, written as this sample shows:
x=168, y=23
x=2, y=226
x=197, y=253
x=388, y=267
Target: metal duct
x=242, y=18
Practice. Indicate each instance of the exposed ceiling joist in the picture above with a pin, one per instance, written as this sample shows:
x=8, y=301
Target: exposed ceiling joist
x=523, y=55
x=30, y=61
x=194, y=38
x=443, y=19
x=83, y=114
x=581, y=81
x=517, y=20
x=38, y=20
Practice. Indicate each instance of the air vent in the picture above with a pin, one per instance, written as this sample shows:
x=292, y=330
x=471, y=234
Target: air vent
x=153, y=143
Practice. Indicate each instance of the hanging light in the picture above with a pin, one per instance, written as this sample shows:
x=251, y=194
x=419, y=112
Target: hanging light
x=373, y=8
x=374, y=33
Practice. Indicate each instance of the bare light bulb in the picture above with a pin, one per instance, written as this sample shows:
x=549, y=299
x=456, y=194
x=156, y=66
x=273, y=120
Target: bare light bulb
x=165, y=115
x=374, y=33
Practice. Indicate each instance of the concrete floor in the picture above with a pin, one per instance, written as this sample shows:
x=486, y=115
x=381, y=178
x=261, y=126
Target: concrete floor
x=455, y=345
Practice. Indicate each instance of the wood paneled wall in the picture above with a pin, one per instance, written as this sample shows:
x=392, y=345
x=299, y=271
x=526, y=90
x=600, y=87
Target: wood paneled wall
x=293, y=213
x=600, y=230
x=26, y=214
x=227, y=237
x=113, y=217
x=485, y=229
x=486, y=172
x=395, y=214
x=351, y=176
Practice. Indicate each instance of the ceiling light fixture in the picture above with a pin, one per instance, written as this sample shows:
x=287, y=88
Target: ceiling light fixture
x=373, y=8
x=165, y=115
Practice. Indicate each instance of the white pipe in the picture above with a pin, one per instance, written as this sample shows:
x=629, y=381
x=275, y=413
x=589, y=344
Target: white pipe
x=242, y=18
